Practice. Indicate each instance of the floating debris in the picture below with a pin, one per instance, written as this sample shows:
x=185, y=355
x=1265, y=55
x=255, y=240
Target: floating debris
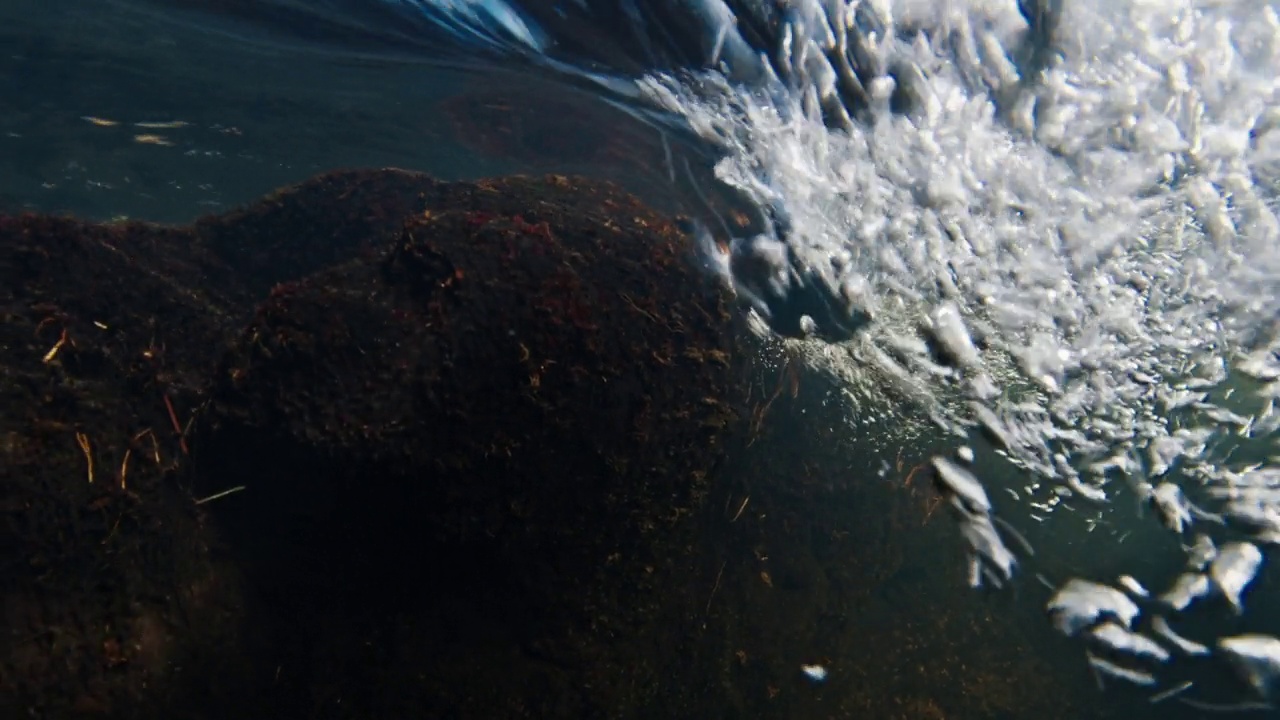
x=1171, y=506
x=1081, y=604
x=1121, y=640
x=1188, y=588
x=816, y=673
x=987, y=552
x=1171, y=692
x=1110, y=669
x=1162, y=453
x=1256, y=659
x=948, y=330
x=1183, y=645
x=220, y=495
x=993, y=428
x=989, y=557
x=960, y=486
x=1174, y=510
x=1134, y=587
x=170, y=125
x=1201, y=552
x=1254, y=509
x=1235, y=567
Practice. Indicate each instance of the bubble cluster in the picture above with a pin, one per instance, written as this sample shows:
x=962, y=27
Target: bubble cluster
x=1051, y=224
x=1062, y=235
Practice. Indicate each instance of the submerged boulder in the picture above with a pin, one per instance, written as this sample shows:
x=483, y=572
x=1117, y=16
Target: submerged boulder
x=483, y=445
x=380, y=447
x=472, y=423
x=113, y=604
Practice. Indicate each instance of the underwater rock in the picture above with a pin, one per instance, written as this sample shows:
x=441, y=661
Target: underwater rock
x=501, y=411
x=473, y=458
x=113, y=603
x=476, y=430
x=314, y=225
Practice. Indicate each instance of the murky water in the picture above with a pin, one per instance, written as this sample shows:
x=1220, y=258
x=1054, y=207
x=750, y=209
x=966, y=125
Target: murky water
x=1068, y=264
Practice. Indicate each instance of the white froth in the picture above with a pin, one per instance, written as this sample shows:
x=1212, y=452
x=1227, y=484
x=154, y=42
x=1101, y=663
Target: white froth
x=1107, y=229
x=1123, y=250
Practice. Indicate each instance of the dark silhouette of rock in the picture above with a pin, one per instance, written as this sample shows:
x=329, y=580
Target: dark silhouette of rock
x=474, y=424
x=500, y=427
x=382, y=447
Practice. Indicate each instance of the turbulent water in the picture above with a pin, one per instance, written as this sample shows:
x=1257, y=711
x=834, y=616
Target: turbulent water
x=1044, y=227
x=1050, y=225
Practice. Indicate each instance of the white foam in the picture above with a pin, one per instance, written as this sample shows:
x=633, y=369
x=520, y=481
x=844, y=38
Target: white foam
x=1123, y=250
x=1109, y=232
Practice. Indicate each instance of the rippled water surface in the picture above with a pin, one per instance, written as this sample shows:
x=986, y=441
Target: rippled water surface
x=153, y=111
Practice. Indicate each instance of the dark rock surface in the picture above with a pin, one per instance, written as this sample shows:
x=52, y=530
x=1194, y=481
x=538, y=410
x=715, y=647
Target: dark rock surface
x=494, y=450
x=465, y=415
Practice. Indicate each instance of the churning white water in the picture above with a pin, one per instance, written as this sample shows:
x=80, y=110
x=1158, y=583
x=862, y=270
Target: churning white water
x=1068, y=244
x=1084, y=265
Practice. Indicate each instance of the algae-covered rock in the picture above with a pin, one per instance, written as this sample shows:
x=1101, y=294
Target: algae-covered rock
x=380, y=446
x=113, y=603
x=502, y=424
